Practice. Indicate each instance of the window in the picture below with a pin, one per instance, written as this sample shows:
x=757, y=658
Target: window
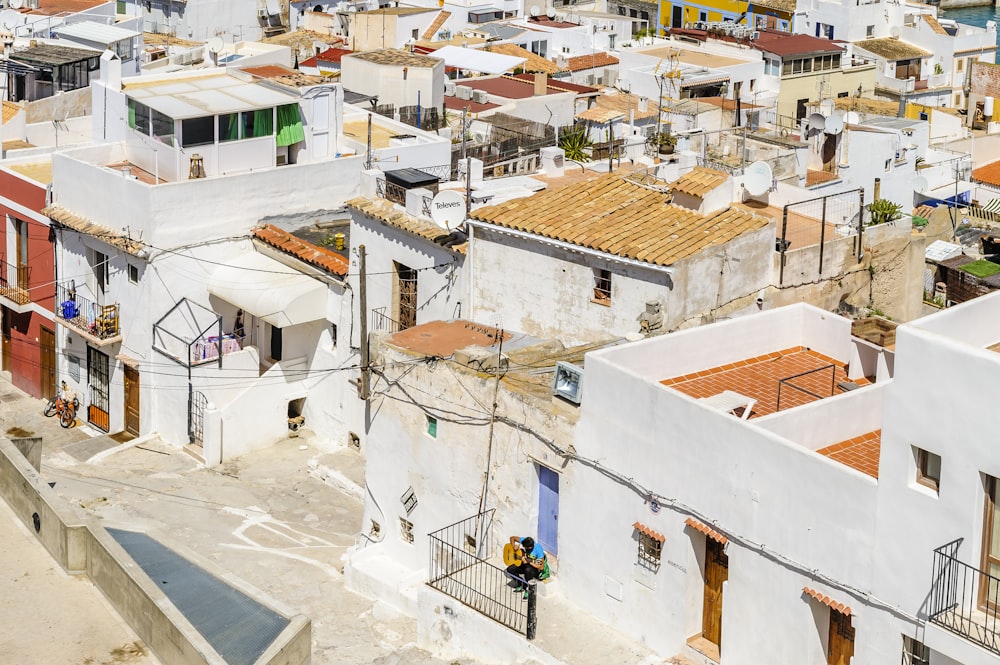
x=415, y=34
x=100, y=267
x=229, y=127
x=958, y=99
x=432, y=427
x=258, y=123
x=406, y=530
x=702, y=16
x=163, y=127
x=914, y=652
x=197, y=131
x=124, y=49
x=870, y=32
x=928, y=469
x=772, y=67
x=842, y=95
x=333, y=334
x=602, y=286
x=138, y=116
x=959, y=64
x=133, y=273
x=650, y=546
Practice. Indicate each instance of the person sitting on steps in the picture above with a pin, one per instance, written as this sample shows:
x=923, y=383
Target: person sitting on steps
x=532, y=562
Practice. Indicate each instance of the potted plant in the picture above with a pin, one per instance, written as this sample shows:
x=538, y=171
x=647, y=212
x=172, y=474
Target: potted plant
x=665, y=142
x=883, y=211
x=575, y=144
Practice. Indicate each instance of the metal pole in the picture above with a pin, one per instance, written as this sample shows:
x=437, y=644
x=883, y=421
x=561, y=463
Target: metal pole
x=532, y=614
x=363, y=304
x=781, y=269
x=861, y=223
x=468, y=186
x=465, y=113
x=368, y=151
x=822, y=236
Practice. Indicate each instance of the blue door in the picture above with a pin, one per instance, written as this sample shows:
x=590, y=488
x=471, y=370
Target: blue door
x=548, y=509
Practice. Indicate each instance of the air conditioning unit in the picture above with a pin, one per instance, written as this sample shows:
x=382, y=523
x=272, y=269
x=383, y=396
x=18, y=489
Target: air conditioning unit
x=480, y=96
x=754, y=36
x=263, y=13
x=449, y=88
x=463, y=92
x=568, y=382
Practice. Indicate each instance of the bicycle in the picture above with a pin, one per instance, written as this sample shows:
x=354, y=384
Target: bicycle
x=65, y=409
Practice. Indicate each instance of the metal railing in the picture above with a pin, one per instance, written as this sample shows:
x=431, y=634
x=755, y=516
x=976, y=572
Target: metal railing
x=95, y=319
x=382, y=322
x=787, y=381
x=964, y=599
x=14, y=282
x=458, y=568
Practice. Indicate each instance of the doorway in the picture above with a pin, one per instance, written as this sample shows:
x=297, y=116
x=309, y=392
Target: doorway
x=5, y=332
x=132, y=400
x=100, y=387
x=841, y=647
x=406, y=296
x=716, y=573
x=988, y=585
x=548, y=510
x=677, y=17
x=47, y=362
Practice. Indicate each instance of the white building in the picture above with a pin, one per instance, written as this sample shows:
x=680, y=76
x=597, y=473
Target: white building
x=395, y=77
x=716, y=488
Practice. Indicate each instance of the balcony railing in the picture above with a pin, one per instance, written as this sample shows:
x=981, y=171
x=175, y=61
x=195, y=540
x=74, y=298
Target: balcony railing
x=14, y=282
x=87, y=316
x=964, y=599
x=382, y=322
x=458, y=568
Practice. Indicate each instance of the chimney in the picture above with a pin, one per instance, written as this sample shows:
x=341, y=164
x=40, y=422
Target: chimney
x=643, y=105
x=541, y=83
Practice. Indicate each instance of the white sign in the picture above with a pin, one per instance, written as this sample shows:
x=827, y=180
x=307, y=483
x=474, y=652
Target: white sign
x=448, y=209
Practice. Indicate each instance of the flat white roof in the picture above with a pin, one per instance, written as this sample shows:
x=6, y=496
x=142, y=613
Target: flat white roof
x=92, y=31
x=209, y=95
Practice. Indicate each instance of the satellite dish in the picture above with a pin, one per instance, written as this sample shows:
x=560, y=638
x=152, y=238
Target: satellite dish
x=15, y=4
x=9, y=19
x=827, y=107
x=215, y=44
x=448, y=209
x=834, y=124
x=919, y=184
x=852, y=117
x=817, y=121
x=550, y=12
x=534, y=11
x=757, y=178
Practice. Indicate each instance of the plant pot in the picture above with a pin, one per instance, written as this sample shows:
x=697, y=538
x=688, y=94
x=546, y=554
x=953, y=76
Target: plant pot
x=666, y=149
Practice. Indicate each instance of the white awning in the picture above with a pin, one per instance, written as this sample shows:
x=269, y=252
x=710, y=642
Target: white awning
x=477, y=59
x=269, y=290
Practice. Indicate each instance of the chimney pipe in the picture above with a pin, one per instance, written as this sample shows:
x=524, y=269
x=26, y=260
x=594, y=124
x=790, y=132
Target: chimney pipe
x=541, y=83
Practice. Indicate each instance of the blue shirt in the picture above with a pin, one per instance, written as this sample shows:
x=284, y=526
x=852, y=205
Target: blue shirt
x=536, y=553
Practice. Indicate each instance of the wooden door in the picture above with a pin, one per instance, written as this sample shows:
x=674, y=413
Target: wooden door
x=132, y=400
x=47, y=362
x=716, y=572
x=841, y=647
x=5, y=334
x=989, y=587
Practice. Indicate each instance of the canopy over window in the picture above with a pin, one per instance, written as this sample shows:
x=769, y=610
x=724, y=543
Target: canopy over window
x=269, y=290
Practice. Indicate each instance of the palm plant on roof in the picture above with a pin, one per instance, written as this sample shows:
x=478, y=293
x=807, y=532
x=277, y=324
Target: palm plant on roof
x=575, y=144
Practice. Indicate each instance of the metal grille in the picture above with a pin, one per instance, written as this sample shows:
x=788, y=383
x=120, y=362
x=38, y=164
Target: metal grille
x=459, y=569
x=837, y=211
x=964, y=599
x=97, y=378
x=196, y=417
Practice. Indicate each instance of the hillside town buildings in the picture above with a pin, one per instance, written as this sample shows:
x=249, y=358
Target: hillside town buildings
x=672, y=288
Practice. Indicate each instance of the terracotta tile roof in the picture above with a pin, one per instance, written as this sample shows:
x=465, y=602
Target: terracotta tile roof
x=330, y=55
x=861, y=452
x=442, y=339
x=436, y=24
x=533, y=62
x=988, y=174
x=933, y=22
x=559, y=86
x=386, y=212
x=397, y=11
x=456, y=104
x=642, y=528
x=10, y=109
x=892, y=48
x=708, y=531
x=581, y=63
x=699, y=181
x=106, y=234
x=614, y=215
x=826, y=600
x=305, y=251
x=784, y=44
x=395, y=56
x=609, y=107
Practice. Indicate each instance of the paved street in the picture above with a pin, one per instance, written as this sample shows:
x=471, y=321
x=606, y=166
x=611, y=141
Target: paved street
x=266, y=517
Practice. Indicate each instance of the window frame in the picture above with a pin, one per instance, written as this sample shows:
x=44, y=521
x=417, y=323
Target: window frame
x=924, y=457
x=911, y=647
x=602, y=286
x=431, y=426
x=650, y=550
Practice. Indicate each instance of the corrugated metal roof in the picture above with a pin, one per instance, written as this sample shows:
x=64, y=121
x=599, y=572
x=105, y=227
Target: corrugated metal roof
x=92, y=31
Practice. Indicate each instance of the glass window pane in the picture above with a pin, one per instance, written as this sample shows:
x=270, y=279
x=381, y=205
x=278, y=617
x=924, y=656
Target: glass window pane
x=197, y=131
x=229, y=127
x=995, y=533
x=163, y=127
x=258, y=123
x=138, y=116
x=932, y=466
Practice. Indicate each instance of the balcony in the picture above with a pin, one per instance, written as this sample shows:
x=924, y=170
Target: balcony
x=458, y=568
x=964, y=600
x=14, y=283
x=96, y=322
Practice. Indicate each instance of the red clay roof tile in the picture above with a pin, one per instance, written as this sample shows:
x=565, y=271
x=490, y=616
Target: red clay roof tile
x=707, y=530
x=826, y=600
x=302, y=250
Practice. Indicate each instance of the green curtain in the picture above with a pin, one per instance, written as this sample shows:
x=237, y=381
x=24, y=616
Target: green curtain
x=263, y=122
x=290, y=125
x=229, y=127
x=131, y=114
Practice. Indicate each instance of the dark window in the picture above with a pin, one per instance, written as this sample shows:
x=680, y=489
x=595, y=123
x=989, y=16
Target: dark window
x=914, y=652
x=229, y=127
x=163, y=127
x=197, y=131
x=258, y=123
x=602, y=286
x=928, y=469
x=133, y=273
x=275, y=343
x=138, y=116
x=97, y=377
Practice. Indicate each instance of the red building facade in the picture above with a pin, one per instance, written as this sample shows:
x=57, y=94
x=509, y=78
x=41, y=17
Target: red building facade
x=27, y=279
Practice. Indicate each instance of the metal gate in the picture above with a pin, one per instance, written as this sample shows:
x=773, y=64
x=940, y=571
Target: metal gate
x=196, y=417
x=825, y=213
